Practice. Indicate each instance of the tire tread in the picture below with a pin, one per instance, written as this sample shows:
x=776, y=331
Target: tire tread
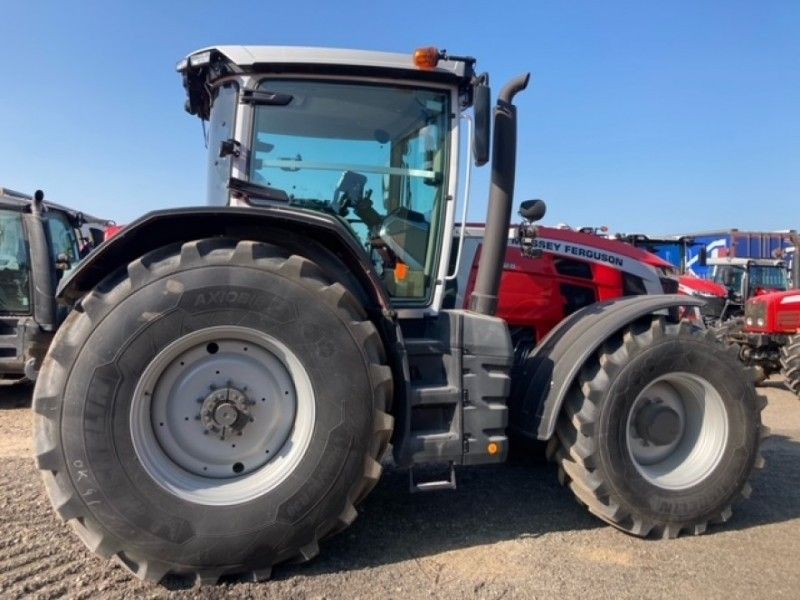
x=95, y=305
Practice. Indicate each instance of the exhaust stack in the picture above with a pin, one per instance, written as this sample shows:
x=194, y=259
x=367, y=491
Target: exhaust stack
x=501, y=196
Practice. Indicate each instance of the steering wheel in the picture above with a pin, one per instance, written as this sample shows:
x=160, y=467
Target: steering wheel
x=349, y=191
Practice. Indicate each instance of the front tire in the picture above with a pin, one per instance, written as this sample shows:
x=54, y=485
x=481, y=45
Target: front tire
x=790, y=363
x=214, y=409
x=661, y=431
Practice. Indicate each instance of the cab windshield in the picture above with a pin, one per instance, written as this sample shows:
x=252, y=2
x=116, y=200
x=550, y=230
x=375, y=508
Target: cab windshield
x=759, y=277
x=373, y=155
x=769, y=277
x=14, y=265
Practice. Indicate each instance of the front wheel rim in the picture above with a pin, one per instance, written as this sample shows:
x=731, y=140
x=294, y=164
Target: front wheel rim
x=677, y=430
x=222, y=415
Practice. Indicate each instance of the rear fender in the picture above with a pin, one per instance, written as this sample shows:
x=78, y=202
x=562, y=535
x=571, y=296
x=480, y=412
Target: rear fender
x=317, y=236
x=547, y=374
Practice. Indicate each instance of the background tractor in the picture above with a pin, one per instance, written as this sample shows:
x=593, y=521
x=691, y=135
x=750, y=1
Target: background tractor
x=762, y=316
x=771, y=328
x=568, y=271
x=220, y=397
x=683, y=252
x=38, y=242
x=745, y=278
x=738, y=286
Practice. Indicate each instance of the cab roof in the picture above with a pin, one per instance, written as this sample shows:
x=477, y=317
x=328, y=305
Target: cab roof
x=736, y=261
x=21, y=202
x=203, y=67
x=253, y=57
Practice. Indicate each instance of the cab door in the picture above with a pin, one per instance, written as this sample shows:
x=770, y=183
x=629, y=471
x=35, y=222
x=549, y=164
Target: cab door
x=63, y=249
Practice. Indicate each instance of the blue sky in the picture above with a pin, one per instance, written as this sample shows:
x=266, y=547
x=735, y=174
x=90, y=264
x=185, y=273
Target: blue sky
x=644, y=116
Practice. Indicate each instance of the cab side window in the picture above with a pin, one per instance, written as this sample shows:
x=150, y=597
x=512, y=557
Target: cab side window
x=62, y=238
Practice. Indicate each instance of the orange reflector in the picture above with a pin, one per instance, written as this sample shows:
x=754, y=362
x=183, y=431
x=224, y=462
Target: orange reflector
x=493, y=448
x=426, y=58
x=400, y=271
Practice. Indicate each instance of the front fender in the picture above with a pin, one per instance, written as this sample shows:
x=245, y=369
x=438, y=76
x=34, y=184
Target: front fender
x=547, y=374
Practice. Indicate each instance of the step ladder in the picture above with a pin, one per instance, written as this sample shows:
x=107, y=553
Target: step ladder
x=435, y=485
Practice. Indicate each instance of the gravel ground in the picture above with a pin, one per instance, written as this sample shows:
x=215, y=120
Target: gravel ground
x=508, y=532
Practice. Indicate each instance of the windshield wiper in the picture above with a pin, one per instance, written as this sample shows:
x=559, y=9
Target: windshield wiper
x=255, y=190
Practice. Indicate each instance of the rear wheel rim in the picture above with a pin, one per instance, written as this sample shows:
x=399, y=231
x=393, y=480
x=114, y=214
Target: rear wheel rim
x=222, y=415
x=677, y=431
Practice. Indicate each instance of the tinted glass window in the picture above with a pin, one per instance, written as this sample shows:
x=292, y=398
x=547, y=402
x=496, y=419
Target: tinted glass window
x=62, y=238
x=731, y=277
x=769, y=277
x=14, y=265
x=374, y=155
x=220, y=128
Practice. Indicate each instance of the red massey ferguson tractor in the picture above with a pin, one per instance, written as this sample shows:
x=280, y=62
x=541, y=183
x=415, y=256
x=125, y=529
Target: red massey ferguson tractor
x=220, y=397
x=760, y=316
x=677, y=251
x=560, y=272
x=766, y=339
x=769, y=335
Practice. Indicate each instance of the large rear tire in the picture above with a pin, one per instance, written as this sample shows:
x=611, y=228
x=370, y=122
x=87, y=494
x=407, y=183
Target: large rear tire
x=661, y=431
x=214, y=409
x=790, y=363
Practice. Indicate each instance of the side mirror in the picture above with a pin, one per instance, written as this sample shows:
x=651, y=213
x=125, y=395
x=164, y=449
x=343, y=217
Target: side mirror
x=532, y=210
x=702, y=257
x=481, y=96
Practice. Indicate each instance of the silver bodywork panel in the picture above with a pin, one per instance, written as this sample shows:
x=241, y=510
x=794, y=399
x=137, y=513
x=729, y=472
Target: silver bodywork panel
x=249, y=56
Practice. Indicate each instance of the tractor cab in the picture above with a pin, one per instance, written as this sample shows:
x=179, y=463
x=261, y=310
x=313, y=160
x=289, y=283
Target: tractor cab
x=39, y=242
x=369, y=139
x=748, y=277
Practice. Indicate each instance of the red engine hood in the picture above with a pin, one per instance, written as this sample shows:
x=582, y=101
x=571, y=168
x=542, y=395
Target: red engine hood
x=688, y=284
x=594, y=241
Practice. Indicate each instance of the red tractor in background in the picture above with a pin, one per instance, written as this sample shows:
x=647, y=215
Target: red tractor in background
x=567, y=271
x=676, y=252
x=748, y=304
x=772, y=325
x=766, y=328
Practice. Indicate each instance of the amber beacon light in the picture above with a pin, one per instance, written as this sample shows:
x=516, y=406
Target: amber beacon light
x=426, y=58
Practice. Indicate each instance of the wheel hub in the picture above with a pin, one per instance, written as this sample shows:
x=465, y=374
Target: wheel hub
x=657, y=423
x=225, y=412
x=676, y=430
x=222, y=414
